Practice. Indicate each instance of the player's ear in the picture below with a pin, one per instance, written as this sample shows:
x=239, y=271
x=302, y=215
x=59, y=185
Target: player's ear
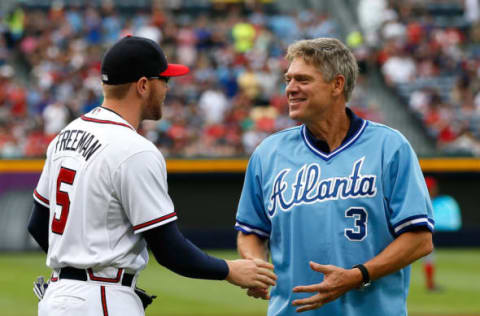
x=142, y=86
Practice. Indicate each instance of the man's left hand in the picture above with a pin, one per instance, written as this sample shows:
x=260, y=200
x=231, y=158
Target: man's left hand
x=337, y=281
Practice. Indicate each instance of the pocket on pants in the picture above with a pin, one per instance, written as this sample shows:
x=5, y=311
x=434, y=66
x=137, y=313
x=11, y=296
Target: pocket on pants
x=70, y=299
x=64, y=302
x=62, y=305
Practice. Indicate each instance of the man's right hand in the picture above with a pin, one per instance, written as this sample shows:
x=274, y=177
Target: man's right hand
x=251, y=273
x=259, y=293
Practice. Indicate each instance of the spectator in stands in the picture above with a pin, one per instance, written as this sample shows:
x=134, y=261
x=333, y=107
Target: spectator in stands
x=55, y=117
x=249, y=83
x=111, y=24
x=8, y=148
x=15, y=22
x=472, y=11
x=213, y=104
x=399, y=68
x=3, y=48
x=186, y=41
x=6, y=74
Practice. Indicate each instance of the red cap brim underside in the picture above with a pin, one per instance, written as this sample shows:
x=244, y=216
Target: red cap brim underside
x=174, y=70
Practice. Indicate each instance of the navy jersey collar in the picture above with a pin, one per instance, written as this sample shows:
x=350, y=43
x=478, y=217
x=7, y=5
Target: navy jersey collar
x=357, y=125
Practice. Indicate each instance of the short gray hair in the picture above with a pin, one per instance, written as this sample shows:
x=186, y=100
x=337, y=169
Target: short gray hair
x=330, y=56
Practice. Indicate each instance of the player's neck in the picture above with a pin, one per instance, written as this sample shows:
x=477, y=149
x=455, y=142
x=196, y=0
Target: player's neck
x=331, y=128
x=125, y=109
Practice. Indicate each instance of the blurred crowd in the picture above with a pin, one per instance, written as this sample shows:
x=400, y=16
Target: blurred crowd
x=50, y=60
x=233, y=98
x=429, y=53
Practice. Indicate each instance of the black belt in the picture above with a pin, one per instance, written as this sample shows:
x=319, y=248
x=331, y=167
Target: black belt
x=81, y=275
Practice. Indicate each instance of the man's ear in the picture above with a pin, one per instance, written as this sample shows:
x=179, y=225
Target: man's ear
x=338, y=85
x=142, y=86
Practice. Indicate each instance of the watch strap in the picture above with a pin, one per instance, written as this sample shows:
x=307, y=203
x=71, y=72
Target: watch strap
x=365, y=275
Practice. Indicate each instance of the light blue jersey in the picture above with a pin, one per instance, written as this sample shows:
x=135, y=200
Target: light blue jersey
x=341, y=208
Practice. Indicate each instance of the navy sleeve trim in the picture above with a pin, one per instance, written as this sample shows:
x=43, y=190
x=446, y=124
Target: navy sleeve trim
x=249, y=229
x=413, y=222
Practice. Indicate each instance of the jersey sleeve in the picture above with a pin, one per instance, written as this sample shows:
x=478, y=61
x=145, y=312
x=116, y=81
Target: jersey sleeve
x=406, y=192
x=140, y=184
x=251, y=217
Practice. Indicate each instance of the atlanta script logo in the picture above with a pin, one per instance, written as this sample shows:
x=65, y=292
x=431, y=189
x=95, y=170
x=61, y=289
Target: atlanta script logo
x=310, y=188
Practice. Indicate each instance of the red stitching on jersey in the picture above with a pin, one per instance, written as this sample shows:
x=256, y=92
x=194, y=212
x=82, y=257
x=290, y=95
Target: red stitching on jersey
x=104, y=301
x=88, y=119
x=102, y=279
x=158, y=220
x=41, y=198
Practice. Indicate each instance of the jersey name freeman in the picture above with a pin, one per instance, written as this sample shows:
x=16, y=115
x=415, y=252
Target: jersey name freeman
x=309, y=188
x=77, y=140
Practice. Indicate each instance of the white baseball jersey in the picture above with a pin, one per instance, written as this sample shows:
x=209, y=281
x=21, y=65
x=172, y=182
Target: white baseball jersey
x=103, y=184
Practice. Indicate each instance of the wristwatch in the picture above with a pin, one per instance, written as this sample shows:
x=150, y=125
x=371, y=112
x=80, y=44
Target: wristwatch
x=366, y=277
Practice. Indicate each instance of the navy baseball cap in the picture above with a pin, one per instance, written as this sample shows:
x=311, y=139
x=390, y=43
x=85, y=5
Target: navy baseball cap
x=134, y=57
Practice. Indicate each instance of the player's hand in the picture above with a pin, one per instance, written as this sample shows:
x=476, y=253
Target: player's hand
x=337, y=281
x=251, y=273
x=258, y=293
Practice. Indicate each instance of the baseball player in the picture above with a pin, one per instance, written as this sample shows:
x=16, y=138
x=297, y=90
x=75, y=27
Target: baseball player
x=340, y=201
x=448, y=218
x=102, y=198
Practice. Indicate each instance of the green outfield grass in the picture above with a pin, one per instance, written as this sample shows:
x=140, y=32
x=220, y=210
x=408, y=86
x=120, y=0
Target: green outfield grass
x=458, y=275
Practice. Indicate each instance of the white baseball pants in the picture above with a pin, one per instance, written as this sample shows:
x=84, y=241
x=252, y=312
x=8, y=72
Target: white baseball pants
x=80, y=298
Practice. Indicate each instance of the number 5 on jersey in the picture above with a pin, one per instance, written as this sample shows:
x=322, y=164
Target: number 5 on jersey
x=66, y=176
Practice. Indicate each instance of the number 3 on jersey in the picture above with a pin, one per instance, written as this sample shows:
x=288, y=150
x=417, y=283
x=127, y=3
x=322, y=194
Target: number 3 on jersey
x=66, y=176
x=359, y=231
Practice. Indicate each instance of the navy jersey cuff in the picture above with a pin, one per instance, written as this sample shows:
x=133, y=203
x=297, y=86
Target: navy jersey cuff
x=413, y=223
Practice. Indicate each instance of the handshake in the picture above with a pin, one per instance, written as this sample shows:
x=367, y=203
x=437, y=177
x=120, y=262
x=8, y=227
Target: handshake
x=256, y=275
